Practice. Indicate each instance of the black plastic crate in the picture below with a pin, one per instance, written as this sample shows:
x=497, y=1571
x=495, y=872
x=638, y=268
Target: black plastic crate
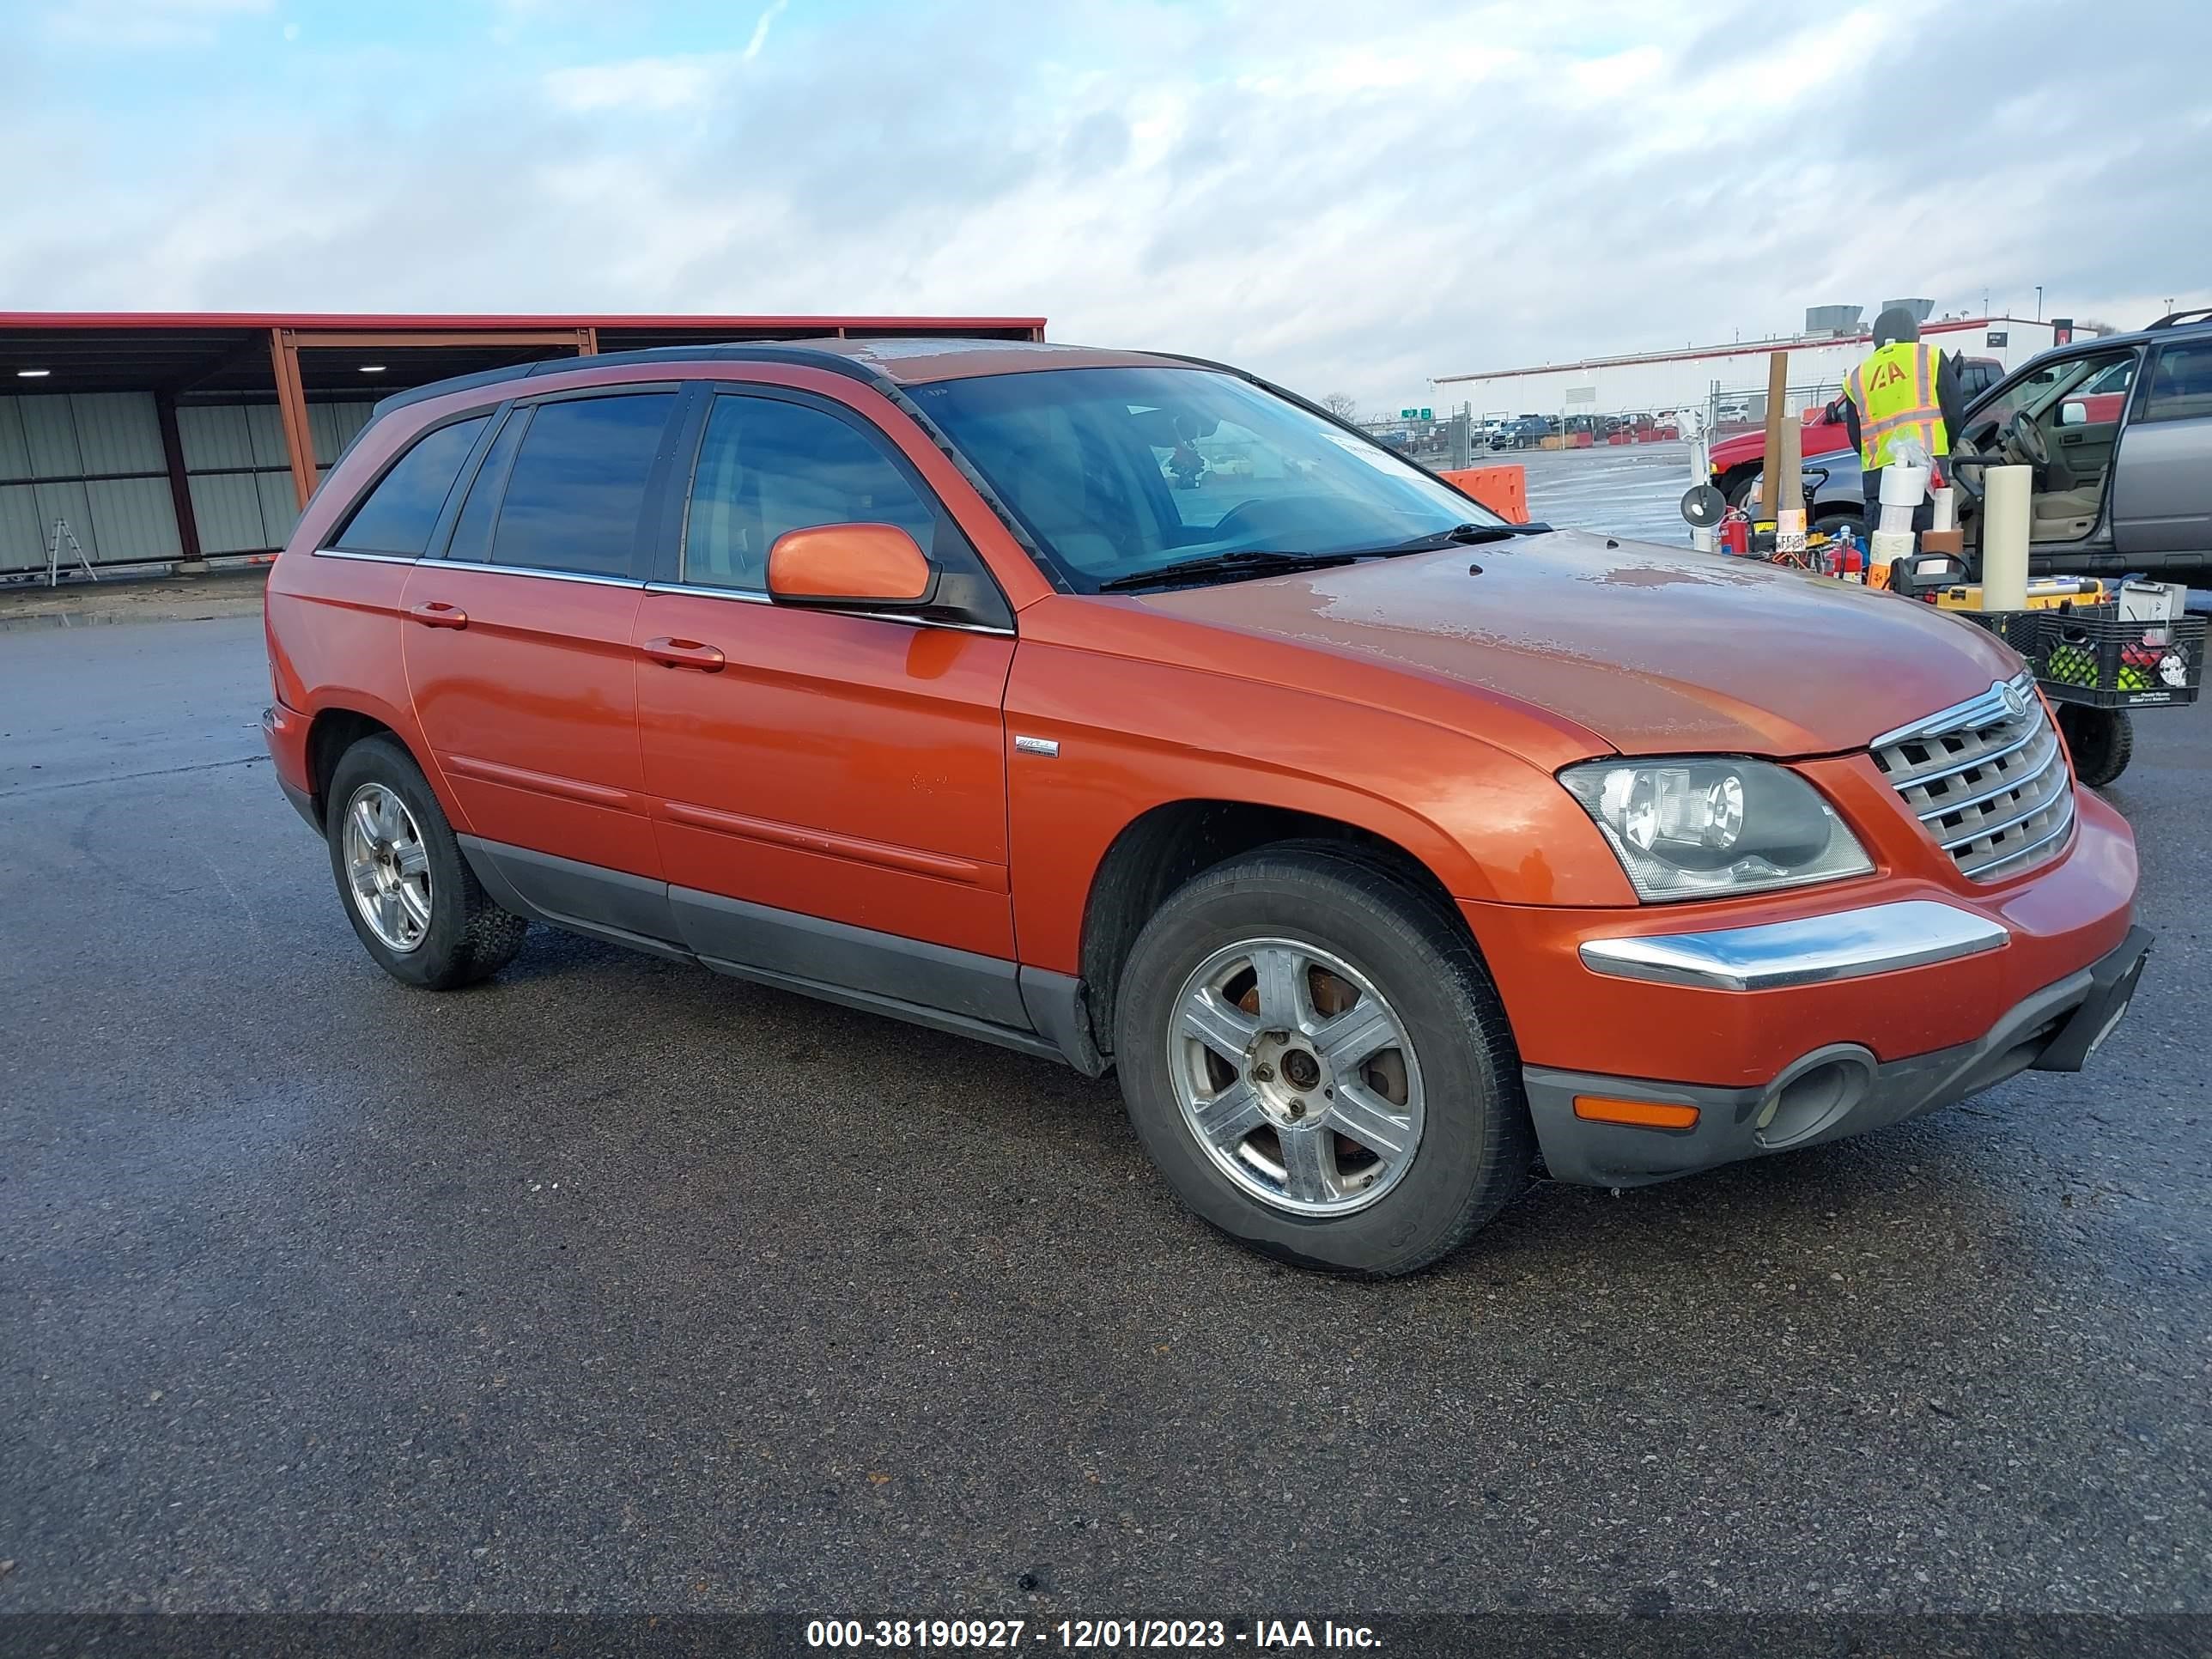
x=2091, y=656
x=2020, y=629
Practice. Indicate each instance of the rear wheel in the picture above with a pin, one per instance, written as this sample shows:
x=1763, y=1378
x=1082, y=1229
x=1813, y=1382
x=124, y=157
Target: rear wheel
x=1319, y=1065
x=2101, y=741
x=414, y=904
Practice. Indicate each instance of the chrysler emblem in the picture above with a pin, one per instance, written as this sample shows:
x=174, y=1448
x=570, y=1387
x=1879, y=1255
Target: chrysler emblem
x=2015, y=703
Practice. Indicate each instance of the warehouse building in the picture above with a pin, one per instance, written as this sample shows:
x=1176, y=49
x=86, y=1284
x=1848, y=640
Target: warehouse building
x=141, y=438
x=1729, y=382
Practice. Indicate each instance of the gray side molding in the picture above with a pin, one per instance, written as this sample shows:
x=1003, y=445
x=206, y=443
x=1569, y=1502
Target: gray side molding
x=1061, y=1013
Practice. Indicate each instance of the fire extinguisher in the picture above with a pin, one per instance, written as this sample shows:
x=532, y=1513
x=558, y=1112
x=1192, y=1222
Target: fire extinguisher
x=1736, y=532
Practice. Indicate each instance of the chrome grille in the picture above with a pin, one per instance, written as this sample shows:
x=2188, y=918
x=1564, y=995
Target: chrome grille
x=1987, y=779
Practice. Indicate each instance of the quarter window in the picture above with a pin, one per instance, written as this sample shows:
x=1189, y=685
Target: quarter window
x=766, y=466
x=2181, y=384
x=578, y=488
x=400, y=512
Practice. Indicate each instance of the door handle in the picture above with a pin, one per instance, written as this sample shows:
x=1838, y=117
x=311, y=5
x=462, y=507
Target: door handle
x=436, y=613
x=684, y=654
x=2071, y=438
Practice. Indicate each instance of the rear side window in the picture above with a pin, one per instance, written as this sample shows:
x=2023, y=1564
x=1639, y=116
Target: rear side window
x=2181, y=384
x=400, y=512
x=766, y=466
x=577, y=488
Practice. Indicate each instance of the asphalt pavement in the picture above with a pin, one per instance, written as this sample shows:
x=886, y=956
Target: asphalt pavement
x=615, y=1285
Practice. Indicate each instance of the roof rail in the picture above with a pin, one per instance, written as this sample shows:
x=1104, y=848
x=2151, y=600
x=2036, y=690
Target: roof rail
x=754, y=351
x=2175, y=319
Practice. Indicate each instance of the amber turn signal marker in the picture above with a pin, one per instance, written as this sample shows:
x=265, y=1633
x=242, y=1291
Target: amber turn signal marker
x=1643, y=1113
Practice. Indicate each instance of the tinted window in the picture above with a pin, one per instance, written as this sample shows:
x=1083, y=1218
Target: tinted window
x=472, y=540
x=403, y=509
x=577, y=491
x=2181, y=384
x=766, y=466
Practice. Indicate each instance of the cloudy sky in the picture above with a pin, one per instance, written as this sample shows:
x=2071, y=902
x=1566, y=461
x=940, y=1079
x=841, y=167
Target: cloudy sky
x=1346, y=196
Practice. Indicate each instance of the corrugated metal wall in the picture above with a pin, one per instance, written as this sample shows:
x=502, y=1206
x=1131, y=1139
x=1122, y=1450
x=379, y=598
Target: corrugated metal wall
x=54, y=451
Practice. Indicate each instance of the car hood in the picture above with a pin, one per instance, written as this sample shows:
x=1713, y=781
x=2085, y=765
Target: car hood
x=1652, y=649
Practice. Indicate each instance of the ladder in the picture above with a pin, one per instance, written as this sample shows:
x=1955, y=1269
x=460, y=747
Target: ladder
x=63, y=533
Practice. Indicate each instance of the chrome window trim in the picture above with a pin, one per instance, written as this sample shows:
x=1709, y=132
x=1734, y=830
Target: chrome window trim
x=748, y=596
x=365, y=558
x=1983, y=709
x=1877, y=939
x=535, y=570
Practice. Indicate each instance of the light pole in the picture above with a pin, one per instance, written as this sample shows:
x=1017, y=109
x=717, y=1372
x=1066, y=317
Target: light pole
x=2038, y=302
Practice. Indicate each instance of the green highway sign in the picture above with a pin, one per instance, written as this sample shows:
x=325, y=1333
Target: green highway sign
x=1407, y=414
x=1428, y=415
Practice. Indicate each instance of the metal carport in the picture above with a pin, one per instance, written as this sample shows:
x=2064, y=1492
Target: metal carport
x=179, y=436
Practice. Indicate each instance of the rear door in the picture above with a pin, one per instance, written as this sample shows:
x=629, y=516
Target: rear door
x=810, y=767
x=518, y=641
x=2162, y=479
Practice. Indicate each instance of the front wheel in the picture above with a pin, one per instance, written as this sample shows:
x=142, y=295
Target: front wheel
x=1316, y=1060
x=2101, y=741
x=414, y=902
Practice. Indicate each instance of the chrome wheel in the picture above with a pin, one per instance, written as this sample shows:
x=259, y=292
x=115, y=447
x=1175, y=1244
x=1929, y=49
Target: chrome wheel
x=1296, y=1077
x=387, y=867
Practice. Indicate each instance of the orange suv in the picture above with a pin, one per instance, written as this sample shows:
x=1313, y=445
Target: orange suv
x=1127, y=710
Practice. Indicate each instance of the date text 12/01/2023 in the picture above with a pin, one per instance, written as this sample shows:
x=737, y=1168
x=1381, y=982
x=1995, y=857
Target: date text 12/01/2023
x=1264, y=1635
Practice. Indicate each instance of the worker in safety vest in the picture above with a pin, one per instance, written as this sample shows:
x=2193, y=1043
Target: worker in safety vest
x=1905, y=390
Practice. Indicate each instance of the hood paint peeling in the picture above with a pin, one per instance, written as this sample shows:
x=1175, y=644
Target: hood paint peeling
x=1656, y=650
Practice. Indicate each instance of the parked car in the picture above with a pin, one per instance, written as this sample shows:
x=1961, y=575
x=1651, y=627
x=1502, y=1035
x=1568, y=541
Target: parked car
x=1737, y=460
x=2119, y=431
x=1381, y=846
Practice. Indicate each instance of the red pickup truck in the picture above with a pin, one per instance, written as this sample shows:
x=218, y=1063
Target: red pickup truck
x=1736, y=460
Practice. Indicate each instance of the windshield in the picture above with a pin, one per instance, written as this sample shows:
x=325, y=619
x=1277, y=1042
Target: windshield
x=1118, y=471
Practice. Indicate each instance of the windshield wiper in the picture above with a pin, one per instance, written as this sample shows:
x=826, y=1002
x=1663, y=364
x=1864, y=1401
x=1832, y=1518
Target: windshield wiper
x=1245, y=563
x=1468, y=535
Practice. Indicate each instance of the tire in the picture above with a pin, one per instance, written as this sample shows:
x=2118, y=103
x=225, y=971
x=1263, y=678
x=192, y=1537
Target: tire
x=466, y=937
x=1739, y=493
x=1829, y=523
x=2101, y=741
x=1446, y=1072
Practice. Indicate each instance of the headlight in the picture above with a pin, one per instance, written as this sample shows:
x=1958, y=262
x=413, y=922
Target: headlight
x=1700, y=828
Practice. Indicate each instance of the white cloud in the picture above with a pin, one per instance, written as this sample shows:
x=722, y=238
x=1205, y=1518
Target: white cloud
x=1350, y=202
x=759, y=30
x=640, y=83
x=146, y=22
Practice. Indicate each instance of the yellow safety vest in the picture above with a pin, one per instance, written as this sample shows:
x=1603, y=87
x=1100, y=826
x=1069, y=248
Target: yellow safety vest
x=1895, y=392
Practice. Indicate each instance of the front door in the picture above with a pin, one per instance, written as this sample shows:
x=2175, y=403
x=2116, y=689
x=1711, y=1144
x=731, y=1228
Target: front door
x=2162, y=485
x=829, y=789
x=518, y=642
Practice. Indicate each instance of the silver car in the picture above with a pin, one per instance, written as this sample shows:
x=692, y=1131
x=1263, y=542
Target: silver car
x=2119, y=432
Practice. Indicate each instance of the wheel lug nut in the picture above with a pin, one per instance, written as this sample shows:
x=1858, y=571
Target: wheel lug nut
x=1263, y=1072
x=1297, y=1109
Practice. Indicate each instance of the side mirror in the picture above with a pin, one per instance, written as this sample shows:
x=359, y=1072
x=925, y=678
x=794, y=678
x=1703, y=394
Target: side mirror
x=2073, y=414
x=857, y=566
x=1834, y=413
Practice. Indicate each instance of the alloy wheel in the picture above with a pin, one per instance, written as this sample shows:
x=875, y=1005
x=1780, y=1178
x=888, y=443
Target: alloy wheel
x=387, y=867
x=1296, y=1076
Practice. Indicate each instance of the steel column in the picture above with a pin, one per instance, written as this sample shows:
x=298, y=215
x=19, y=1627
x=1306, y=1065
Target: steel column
x=292, y=407
x=181, y=487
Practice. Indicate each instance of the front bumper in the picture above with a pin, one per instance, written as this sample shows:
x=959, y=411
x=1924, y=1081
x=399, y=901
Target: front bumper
x=1829, y=1092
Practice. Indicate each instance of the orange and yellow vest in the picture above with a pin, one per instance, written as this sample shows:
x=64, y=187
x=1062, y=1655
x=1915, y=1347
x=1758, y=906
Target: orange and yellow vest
x=1895, y=392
